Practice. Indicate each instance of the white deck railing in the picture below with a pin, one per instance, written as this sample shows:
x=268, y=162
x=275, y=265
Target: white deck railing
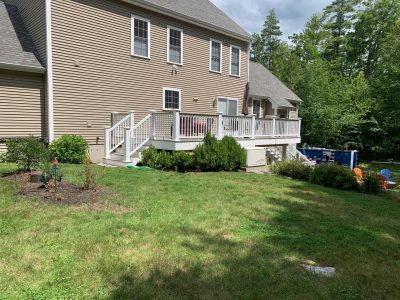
x=176, y=126
x=114, y=136
x=180, y=126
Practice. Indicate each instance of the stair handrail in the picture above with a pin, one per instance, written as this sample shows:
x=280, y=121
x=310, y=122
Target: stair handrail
x=133, y=143
x=114, y=136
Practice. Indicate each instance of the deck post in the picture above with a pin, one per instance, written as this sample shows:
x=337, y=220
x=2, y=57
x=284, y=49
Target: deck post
x=132, y=118
x=220, y=126
x=176, y=125
x=299, y=134
x=152, y=124
x=253, y=127
x=107, y=153
x=273, y=127
x=127, y=143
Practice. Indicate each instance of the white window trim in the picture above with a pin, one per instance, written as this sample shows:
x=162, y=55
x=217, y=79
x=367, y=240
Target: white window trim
x=133, y=17
x=230, y=60
x=229, y=99
x=180, y=98
x=220, y=65
x=168, y=36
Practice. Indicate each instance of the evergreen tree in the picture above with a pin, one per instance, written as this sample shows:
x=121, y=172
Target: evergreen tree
x=338, y=19
x=257, y=50
x=270, y=36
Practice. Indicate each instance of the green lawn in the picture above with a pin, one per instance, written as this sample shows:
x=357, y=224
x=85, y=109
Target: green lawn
x=200, y=236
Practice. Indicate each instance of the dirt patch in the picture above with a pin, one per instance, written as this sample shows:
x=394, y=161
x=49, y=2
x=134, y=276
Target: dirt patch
x=67, y=194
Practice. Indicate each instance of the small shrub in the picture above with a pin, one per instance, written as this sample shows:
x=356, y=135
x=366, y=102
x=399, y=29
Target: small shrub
x=293, y=168
x=211, y=155
x=89, y=175
x=69, y=149
x=3, y=157
x=183, y=161
x=333, y=175
x=164, y=161
x=149, y=157
x=371, y=184
x=236, y=154
x=27, y=152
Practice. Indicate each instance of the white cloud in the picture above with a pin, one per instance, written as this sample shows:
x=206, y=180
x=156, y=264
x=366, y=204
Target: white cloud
x=292, y=14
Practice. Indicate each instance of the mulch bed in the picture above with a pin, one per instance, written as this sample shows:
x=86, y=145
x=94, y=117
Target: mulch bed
x=67, y=194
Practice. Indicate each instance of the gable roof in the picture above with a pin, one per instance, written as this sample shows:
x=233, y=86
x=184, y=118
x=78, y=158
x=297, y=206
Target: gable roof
x=201, y=12
x=17, y=51
x=264, y=84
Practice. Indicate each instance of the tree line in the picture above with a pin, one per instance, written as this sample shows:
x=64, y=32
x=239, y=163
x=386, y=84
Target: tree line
x=345, y=66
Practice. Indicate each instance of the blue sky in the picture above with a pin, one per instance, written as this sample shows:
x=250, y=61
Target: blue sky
x=293, y=14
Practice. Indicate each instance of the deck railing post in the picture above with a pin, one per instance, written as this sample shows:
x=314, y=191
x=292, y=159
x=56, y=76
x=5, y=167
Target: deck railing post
x=107, y=142
x=132, y=118
x=299, y=134
x=273, y=127
x=127, y=143
x=220, y=127
x=152, y=124
x=287, y=127
x=253, y=127
x=176, y=126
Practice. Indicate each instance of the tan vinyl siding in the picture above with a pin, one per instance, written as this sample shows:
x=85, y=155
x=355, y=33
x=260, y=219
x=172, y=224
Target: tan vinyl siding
x=21, y=105
x=95, y=74
x=33, y=12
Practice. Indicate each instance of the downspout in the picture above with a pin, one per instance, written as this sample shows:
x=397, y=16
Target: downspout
x=248, y=61
x=49, y=62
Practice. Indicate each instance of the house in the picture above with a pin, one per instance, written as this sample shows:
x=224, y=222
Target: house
x=128, y=73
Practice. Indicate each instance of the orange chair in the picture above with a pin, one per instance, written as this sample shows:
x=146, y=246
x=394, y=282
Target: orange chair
x=359, y=175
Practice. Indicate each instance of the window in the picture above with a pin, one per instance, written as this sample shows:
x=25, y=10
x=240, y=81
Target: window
x=175, y=45
x=257, y=108
x=215, y=56
x=227, y=106
x=140, y=37
x=235, y=61
x=172, y=99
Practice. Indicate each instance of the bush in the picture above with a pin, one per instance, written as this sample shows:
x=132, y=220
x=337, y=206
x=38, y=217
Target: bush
x=149, y=157
x=69, y=149
x=371, y=184
x=157, y=160
x=293, y=168
x=183, y=161
x=236, y=154
x=3, y=157
x=27, y=152
x=333, y=175
x=212, y=155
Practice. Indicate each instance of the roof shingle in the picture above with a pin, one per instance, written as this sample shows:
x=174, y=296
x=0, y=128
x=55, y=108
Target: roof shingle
x=264, y=84
x=203, y=11
x=17, y=50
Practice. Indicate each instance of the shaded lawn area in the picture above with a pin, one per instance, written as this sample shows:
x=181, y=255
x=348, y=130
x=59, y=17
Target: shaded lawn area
x=200, y=236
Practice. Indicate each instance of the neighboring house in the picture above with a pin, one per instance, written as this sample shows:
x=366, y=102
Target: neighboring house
x=78, y=66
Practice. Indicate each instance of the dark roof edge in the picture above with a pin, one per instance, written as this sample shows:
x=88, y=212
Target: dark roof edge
x=22, y=68
x=188, y=19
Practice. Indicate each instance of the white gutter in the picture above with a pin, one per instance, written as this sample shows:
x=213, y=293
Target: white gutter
x=12, y=67
x=182, y=17
x=49, y=50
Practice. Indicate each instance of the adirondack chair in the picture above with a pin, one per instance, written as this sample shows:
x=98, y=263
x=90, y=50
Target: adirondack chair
x=388, y=177
x=359, y=175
